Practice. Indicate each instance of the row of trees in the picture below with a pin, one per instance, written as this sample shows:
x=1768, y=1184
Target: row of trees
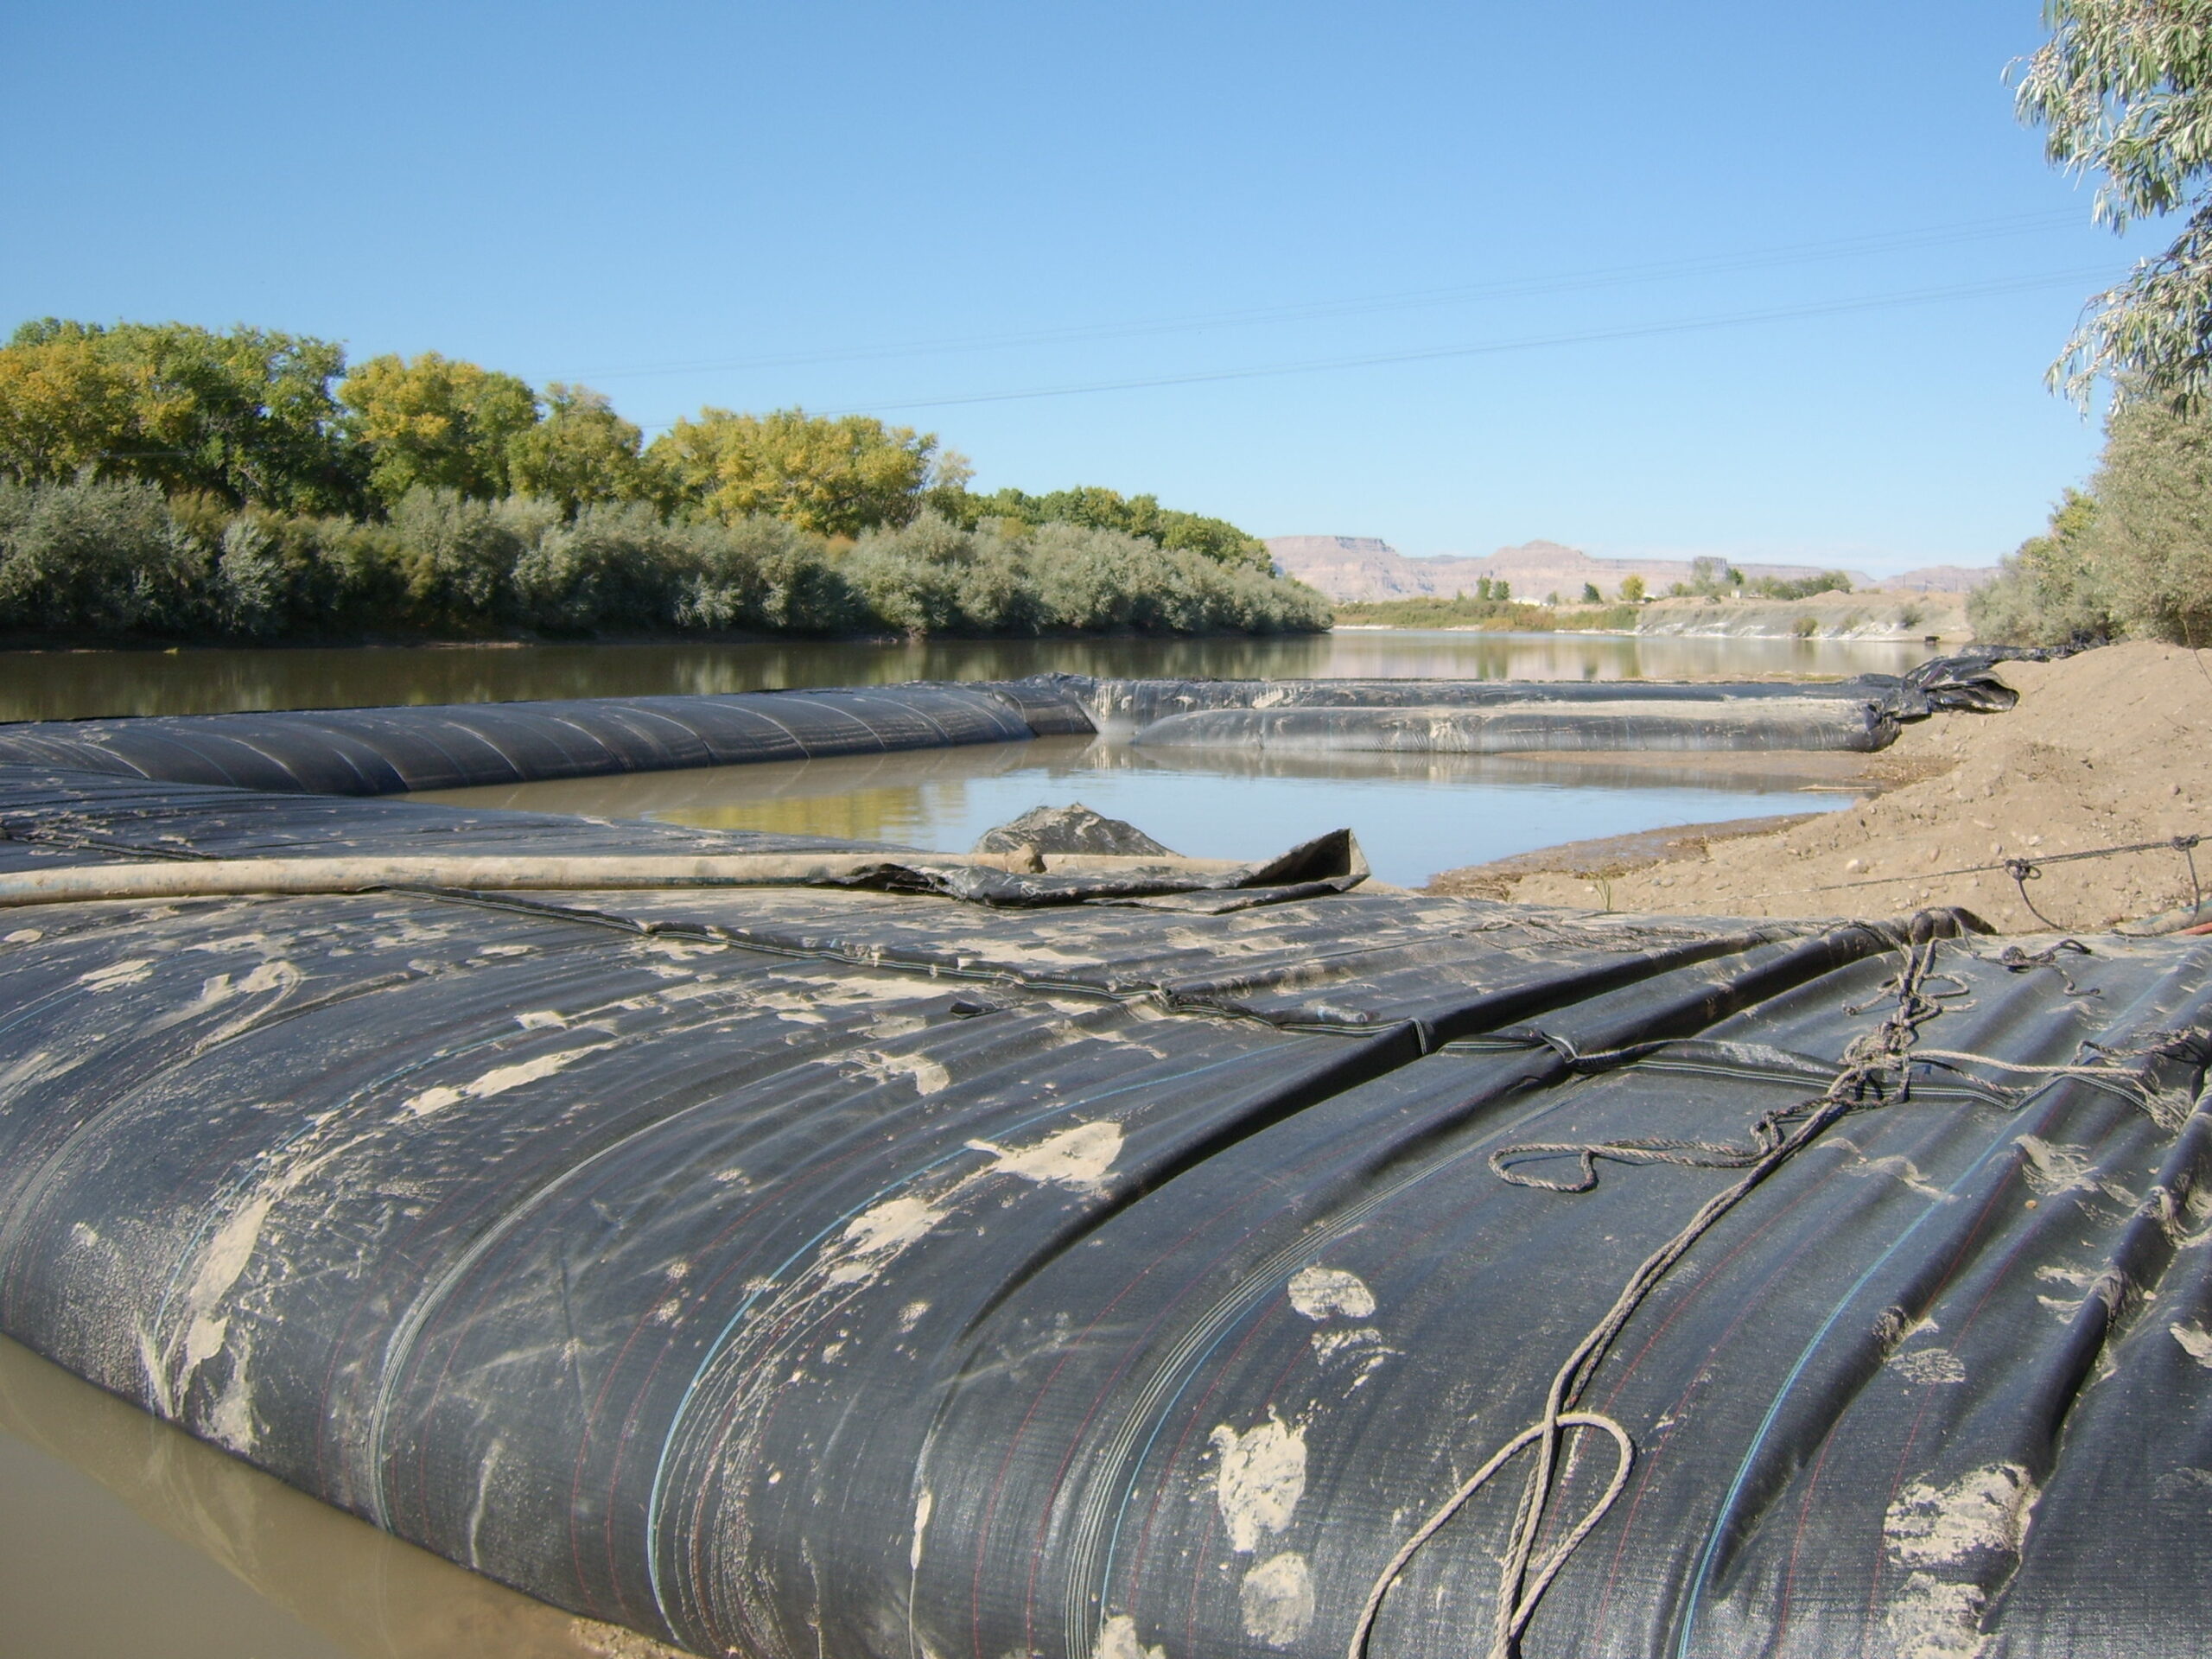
x=2123, y=93
x=159, y=478
x=2131, y=555
x=94, y=558
x=1715, y=578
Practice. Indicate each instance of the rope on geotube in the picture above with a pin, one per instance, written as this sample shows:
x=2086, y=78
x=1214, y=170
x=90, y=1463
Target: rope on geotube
x=1547, y=1569
x=1879, y=1062
x=1524, y=1576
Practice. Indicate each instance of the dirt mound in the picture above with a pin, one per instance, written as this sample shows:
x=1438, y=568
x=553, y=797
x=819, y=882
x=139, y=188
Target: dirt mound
x=2106, y=748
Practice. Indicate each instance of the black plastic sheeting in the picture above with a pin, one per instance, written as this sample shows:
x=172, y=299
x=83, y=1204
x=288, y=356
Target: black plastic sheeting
x=389, y=751
x=823, y=1274
x=392, y=750
x=1497, y=717
x=58, y=813
x=1964, y=682
x=1505, y=729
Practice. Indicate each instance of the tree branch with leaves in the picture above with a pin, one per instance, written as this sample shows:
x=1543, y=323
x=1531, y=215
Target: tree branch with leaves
x=2123, y=91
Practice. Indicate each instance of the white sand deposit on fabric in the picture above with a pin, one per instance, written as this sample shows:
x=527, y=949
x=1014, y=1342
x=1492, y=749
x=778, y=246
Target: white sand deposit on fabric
x=2110, y=747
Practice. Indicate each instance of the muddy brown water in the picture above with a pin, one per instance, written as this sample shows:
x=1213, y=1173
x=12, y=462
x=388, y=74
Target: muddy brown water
x=1416, y=815
x=71, y=685
x=121, y=1538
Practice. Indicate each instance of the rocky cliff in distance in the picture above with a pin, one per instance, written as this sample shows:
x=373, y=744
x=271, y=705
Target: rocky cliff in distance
x=1350, y=567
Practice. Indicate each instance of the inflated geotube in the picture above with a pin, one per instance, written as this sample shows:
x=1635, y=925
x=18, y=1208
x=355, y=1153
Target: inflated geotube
x=1881, y=701
x=1507, y=716
x=815, y=1273
x=1511, y=728
x=395, y=750
x=388, y=751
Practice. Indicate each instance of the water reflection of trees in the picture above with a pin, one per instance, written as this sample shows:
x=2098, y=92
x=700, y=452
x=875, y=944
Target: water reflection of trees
x=63, y=685
x=894, y=798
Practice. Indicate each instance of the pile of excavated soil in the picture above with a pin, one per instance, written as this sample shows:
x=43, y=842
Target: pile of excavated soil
x=2110, y=747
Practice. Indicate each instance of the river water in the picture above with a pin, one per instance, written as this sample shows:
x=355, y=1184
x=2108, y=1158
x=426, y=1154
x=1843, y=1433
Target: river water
x=1415, y=815
x=74, y=684
x=121, y=1537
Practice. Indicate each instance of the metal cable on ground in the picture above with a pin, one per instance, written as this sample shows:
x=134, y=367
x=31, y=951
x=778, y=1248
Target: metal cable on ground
x=2186, y=845
x=1878, y=1063
x=2024, y=870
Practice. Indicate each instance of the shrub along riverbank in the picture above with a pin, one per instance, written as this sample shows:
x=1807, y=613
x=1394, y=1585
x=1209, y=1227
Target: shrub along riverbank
x=106, y=561
x=161, y=482
x=2128, y=557
x=1490, y=615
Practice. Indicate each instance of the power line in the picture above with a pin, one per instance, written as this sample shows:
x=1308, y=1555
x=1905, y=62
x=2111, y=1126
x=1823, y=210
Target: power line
x=1523, y=288
x=1482, y=348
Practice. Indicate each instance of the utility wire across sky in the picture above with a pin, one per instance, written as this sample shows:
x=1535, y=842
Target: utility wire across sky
x=1520, y=287
x=2073, y=279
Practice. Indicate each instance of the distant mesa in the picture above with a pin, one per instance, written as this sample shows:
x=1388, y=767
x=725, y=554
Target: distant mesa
x=1346, y=569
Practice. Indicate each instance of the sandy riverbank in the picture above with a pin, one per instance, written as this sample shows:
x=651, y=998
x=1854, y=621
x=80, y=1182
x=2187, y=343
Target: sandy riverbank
x=2106, y=748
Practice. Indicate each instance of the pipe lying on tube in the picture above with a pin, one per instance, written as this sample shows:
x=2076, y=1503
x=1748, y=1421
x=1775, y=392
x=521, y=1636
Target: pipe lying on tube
x=210, y=878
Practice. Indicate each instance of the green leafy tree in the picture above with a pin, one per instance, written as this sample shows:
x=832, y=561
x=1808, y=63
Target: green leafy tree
x=65, y=408
x=763, y=573
x=2123, y=91
x=916, y=577
x=1632, y=589
x=1591, y=595
x=245, y=415
x=1823, y=582
x=1095, y=508
x=435, y=423
x=834, y=476
x=615, y=565
x=580, y=453
x=1712, y=578
x=2149, y=543
x=2052, y=589
x=458, y=555
x=94, y=556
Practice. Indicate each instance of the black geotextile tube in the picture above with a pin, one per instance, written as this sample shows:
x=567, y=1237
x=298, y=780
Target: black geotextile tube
x=1704, y=725
x=395, y=750
x=805, y=1272
x=1966, y=682
x=388, y=751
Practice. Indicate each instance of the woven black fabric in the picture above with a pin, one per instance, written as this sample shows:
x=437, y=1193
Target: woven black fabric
x=811, y=1273
x=391, y=751
x=388, y=751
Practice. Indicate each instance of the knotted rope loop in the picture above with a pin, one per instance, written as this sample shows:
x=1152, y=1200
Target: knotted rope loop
x=2186, y=846
x=2023, y=871
x=1517, y=1616
x=1868, y=1065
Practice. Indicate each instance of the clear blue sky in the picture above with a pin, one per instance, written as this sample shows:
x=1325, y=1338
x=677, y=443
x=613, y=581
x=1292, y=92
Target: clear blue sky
x=898, y=207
